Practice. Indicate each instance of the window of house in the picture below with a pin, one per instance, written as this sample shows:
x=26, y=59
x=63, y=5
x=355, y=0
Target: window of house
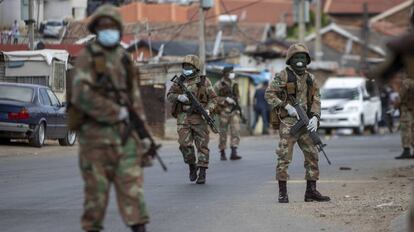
x=59, y=74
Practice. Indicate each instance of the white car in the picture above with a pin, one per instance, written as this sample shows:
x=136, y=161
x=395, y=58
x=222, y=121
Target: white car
x=350, y=102
x=53, y=28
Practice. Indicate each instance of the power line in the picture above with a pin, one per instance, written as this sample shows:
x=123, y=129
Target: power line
x=237, y=26
x=191, y=21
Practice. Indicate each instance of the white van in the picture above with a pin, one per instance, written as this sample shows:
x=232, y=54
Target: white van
x=350, y=102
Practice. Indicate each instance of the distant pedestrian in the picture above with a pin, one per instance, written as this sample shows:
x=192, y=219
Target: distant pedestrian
x=261, y=108
x=15, y=32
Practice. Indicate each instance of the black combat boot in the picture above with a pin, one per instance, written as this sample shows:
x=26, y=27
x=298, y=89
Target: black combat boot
x=312, y=194
x=223, y=155
x=405, y=154
x=234, y=155
x=283, y=196
x=193, y=172
x=138, y=228
x=201, y=175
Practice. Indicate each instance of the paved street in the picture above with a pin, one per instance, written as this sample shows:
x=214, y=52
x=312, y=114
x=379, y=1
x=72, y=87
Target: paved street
x=43, y=191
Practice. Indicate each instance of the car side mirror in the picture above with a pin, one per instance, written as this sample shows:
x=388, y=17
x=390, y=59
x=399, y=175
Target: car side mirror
x=366, y=98
x=64, y=104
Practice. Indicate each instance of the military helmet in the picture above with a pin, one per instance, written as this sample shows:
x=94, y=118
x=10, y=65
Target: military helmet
x=227, y=69
x=105, y=10
x=297, y=48
x=193, y=60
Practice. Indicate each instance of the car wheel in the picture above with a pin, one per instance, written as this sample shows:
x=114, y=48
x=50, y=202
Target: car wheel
x=375, y=127
x=361, y=128
x=328, y=131
x=38, y=138
x=69, y=139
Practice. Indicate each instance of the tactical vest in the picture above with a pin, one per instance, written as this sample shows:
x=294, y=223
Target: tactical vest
x=288, y=95
x=75, y=116
x=201, y=95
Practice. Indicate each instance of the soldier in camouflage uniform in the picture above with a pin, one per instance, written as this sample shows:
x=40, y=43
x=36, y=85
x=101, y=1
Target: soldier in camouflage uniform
x=191, y=127
x=227, y=94
x=407, y=118
x=103, y=160
x=401, y=57
x=296, y=84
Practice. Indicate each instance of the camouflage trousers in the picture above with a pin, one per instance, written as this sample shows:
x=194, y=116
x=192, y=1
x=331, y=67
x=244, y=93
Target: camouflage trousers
x=407, y=127
x=232, y=121
x=198, y=134
x=285, y=153
x=102, y=166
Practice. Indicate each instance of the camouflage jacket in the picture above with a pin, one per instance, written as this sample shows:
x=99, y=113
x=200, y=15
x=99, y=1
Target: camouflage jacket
x=226, y=88
x=98, y=101
x=276, y=93
x=207, y=99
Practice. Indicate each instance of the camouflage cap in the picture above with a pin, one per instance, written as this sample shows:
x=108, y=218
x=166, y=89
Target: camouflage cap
x=297, y=48
x=105, y=10
x=193, y=60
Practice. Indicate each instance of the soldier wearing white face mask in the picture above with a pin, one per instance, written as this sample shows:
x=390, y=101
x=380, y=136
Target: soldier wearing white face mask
x=227, y=91
x=192, y=129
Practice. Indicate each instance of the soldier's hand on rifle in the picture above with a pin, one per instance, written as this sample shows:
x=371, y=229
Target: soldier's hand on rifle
x=313, y=124
x=146, y=144
x=230, y=100
x=183, y=98
x=292, y=111
x=123, y=114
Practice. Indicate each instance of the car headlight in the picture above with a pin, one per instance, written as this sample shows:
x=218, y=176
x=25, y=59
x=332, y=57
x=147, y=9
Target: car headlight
x=352, y=108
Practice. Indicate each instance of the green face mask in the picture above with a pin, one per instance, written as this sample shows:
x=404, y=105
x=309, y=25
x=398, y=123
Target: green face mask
x=298, y=62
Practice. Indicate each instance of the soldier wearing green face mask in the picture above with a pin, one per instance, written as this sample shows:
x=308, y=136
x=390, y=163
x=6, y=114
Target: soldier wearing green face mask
x=103, y=73
x=293, y=85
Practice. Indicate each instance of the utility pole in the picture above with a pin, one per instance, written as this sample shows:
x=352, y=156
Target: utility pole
x=318, y=42
x=149, y=38
x=31, y=25
x=205, y=5
x=365, y=37
x=301, y=21
x=202, y=38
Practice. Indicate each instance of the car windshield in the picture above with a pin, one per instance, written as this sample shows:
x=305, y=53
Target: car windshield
x=350, y=94
x=54, y=23
x=16, y=93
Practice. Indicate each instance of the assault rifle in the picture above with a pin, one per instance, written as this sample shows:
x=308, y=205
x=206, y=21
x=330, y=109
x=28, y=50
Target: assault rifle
x=136, y=124
x=301, y=127
x=196, y=107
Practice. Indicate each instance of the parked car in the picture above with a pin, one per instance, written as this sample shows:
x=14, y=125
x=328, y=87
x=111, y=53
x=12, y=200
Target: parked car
x=33, y=112
x=52, y=28
x=350, y=102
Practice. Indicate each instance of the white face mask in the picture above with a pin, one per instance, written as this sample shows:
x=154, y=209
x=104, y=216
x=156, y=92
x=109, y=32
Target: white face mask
x=232, y=76
x=187, y=72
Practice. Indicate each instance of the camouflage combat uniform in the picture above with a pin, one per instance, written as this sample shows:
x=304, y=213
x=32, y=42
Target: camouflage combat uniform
x=401, y=58
x=229, y=117
x=277, y=98
x=102, y=159
x=191, y=127
x=407, y=113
